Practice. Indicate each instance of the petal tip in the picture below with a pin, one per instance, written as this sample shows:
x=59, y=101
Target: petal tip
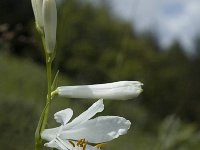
x=101, y=104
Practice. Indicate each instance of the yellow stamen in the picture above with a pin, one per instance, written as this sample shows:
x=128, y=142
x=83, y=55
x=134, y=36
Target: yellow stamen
x=71, y=142
x=101, y=145
x=84, y=146
x=82, y=143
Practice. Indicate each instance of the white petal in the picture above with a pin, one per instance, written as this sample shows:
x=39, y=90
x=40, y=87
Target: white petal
x=60, y=144
x=88, y=147
x=121, y=90
x=63, y=116
x=50, y=134
x=86, y=115
x=50, y=24
x=33, y=2
x=52, y=144
x=37, y=9
x=66, y=145
x=98, y=130
x=63, y=144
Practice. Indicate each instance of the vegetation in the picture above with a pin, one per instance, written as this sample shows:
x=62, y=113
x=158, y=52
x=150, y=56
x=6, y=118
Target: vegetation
x=94, y=47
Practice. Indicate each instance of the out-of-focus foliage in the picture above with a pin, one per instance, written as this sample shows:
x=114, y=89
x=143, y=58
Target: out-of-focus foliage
x=21, y=79
x=172, y=134
x=14, y=12
x=175, y=135
x=94, y=47
x=17, y=123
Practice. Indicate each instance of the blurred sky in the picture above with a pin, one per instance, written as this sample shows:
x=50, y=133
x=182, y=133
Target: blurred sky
x=169, y=19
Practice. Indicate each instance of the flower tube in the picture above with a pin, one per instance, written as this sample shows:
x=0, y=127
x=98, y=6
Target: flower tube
x=122, y=90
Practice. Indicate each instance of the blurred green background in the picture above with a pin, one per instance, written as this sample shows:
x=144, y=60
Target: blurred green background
x=95, y=47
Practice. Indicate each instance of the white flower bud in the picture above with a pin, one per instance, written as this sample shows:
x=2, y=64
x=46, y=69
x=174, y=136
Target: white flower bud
x=37, y=10
x=49, y=11
x=122, y=90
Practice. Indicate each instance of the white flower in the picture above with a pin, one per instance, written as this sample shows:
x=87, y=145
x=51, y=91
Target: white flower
x=49, y=13
x=37, y=9
x=122, y=90
x=75, y=134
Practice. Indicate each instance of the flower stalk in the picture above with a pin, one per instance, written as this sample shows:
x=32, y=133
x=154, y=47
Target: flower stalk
x=44, y=116
x=46, y=23
x=48, y=101
x=38, y=140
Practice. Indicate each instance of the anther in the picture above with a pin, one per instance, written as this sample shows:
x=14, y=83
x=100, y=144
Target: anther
x=82, y=143
x=79, y=142
x=84, y=146
x=101, y=145
x=72, y=143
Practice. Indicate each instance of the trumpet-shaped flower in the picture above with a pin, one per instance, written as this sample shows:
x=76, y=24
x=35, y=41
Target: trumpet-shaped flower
x=49, y=13
x=122, y=90
x=82, y=130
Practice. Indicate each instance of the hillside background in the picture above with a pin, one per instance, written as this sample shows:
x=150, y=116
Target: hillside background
x=93, y=47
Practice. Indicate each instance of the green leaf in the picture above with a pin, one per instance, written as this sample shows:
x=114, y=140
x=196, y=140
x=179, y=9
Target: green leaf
x=55, y=82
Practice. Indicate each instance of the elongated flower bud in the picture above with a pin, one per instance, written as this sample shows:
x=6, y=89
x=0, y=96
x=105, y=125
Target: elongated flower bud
x=122, y=90
x=50, y=24
x=37, y=10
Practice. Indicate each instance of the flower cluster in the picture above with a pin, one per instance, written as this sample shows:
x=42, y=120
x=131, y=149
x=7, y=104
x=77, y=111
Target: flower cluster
x=83, y=132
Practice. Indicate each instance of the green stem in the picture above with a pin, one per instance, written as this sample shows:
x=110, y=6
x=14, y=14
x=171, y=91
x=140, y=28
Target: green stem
x=48, y=101
x=38, y=140
x=45, y=113
x=44, y=116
